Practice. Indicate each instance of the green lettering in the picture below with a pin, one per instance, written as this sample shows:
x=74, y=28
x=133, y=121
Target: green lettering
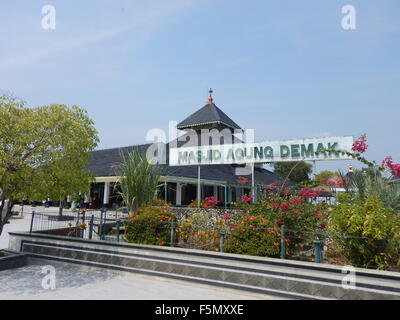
x=182, y=157
x=268, y=152
x=231, y=155
x=192, y=157
x=307, y=151
x=239, y=154
x=258, y=152
x=320, y=147
x=285, y=151
x=295, y=150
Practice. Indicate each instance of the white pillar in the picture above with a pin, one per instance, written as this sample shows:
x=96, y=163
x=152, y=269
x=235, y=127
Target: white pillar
x=198, y=187
x=178, y=194
x=106, y=198
x=215, y=192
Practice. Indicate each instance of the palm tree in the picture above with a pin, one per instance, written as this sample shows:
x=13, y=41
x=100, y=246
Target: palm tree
x=370, y=182
x=138, y=180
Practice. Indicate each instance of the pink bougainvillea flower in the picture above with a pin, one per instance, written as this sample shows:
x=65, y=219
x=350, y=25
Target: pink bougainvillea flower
x=226, y=216
x=242, y=180
x=211, y=200
x=387, y=163
x=274, y=205
x=284, y=207
x=296, y=200
x=309, y=193
x=247, y=199
x=360, y=144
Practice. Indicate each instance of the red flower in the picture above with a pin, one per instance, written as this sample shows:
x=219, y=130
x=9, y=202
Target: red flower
x=394, y=168
x=247, y=199
x=242, y=180
x=296, y=200
x=318, y=214
x=309, y=193
x=360, y=145
x=211, y=200
x=274, y=205
x=284, y=207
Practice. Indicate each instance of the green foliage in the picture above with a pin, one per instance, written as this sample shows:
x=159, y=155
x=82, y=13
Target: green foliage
x=370, y=182
x=201, y=229
x=296, y=171
x=43, y=151
x=368, y=225
x=323, y=176
x=245, y=238
x=150, y=225
x=296, y=213
x=139, y=180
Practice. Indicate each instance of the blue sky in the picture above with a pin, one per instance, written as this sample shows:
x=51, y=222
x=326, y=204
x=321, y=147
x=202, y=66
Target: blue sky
x=284, y=68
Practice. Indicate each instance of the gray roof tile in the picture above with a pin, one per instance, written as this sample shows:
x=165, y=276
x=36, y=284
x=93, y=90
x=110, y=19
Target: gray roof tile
x=209, y=114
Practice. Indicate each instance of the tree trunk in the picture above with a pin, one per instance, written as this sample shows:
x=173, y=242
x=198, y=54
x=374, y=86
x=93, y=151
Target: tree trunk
x=4, y=220
x=60, y=208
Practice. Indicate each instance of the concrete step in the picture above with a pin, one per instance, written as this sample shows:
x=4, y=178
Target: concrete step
x=10, y=259
x=291, y=278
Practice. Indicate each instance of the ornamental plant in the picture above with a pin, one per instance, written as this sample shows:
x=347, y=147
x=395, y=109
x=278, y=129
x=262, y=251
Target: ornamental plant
x=394, y=169
x=207, y=203
x=201, y=230
x=139, y=180
x=253, y=235
x=242, y=180
x=360, y=144
x=300, y=216
x=367, y=233
x=247, y=199
x=150, y=225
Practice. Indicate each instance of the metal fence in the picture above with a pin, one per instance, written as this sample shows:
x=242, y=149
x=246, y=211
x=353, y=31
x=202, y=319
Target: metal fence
x=85, y=224
x=318, y=247
x=302, y=245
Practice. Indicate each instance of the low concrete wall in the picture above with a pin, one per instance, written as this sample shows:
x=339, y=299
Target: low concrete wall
x=10, y=260
x=268, y=275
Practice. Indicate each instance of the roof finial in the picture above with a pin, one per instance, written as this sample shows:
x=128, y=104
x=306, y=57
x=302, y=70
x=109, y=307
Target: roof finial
x=210, y=98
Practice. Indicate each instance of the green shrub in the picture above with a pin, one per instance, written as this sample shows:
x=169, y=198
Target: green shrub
x=150, y=225
x=244, y=238
x=301, y=217
x=367, y=226
x=201, y=230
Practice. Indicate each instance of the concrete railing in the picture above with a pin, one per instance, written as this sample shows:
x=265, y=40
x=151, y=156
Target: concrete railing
x=295, y=279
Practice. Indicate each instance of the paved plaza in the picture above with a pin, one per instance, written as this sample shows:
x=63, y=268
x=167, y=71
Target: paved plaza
x=91, y=283
x=81, y=282
x=22, y=223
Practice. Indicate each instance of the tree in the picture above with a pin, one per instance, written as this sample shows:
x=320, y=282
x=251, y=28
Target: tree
x=323, y=176
x=369, y=182
x=43, y=151
x=296, y=171
x=139, y=180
